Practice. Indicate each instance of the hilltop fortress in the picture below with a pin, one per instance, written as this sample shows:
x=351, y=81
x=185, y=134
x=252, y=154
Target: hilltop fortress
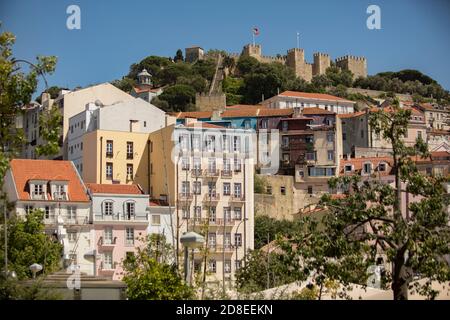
x=295, y=59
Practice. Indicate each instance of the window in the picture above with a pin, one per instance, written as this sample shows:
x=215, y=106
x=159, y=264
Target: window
x=310, y=156
x=196, y=142
x=183, y=140
x=184, y=163
x=129, y=150
x=283, y=190
x=330, y=155
x=362, y=134
x=72, y=236
x=129, y=210
x=29, y=209
x=197, y=163
x=285, y=142
x=109, y=148
x=237, y=213
x=212, y=266
x=225, y=143
x=108, y=208
x=330, y=137
x=264, y=123
x=237, y=264
x=227, y=214
x=212, y=215
x=197, y=213
x=107, y=261
x=129, y=236
x=226, y=188
x=238, y=239
x=382, y=167
x=71, y=213
x=212, y=165
x=367, y=168
x=185, y=188
x=227, y=266
x=197, y=185
x=145, y=124
x=185, y=213
x=108, y=235
x=348, y=168
x=269, y=189
x=226, y=165
x=211, y=188
x=247, y=124
x=236, y=143
x=344, y=136
x=38, y=191
x=310, y=190
x=47, y=212
x=81, y=145
x=419, y=134
x=129, y=172
x=285, y=126
x=210, y=143
x=237, y=164
x=82, y=124
x=156, y=219
x=212, y=239
x=109, y=170
x=237, y=190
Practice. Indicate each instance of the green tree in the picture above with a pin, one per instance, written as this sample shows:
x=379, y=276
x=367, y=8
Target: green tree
x=246, y=65
x=179, y=97
x=50, y=129
x=125, y=84
x=178, y=56
x=369, y=222
x=150, y=276
x=28, y=244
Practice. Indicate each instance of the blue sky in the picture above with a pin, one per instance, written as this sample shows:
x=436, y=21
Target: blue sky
x=114, y=34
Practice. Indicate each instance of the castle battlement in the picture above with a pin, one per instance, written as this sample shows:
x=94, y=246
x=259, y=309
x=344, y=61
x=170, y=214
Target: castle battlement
x=350, y=57
x=296, y=50
x=320, y=54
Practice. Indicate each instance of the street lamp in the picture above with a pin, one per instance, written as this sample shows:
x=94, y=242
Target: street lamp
x=190, y=240
x=35, y=268
x=235, y=243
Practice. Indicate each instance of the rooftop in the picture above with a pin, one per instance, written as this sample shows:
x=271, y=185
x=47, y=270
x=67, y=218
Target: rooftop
x=309, y=95
x=114, y=188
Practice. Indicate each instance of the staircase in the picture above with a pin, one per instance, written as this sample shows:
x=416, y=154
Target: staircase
x=216, y=84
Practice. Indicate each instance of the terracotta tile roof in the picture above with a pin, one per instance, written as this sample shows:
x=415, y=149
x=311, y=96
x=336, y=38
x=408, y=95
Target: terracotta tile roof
x=359, y=162
x=240, y=112
x=318, y=96
x=192, y=114
x=315, y=110
x=24, y=170
x=201, y=124
x=350, y=115
x=389, y=109
x=440, y=154
x=244, y=106
x=145, y=88
x=158, y=203
x=439, y=132
x=114, y=188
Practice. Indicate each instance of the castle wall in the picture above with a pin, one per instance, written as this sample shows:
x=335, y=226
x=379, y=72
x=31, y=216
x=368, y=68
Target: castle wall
x=357, y=65
x=321, y=63
x=206, y=102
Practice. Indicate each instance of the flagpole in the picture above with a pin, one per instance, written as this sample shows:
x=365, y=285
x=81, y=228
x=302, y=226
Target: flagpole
x=253, y=35
x=298, y=42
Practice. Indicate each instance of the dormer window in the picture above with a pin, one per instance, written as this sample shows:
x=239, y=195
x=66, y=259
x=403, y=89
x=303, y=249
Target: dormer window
x=382, y=167
x=59, y=191
x=38, y=190
x=348, y=168
x=367, y=168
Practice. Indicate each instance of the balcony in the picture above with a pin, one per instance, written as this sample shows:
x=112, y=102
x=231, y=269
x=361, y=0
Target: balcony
x=196, y=172
x=120, y=217
x=185, y=197
x=237, y=198
x=227, y=174
x=212, y=173
x=59, y=196
x=103, y=242
x=108, y=267
x=211, y=197
x=76, y=220
x=221, y=248
x=38, y=196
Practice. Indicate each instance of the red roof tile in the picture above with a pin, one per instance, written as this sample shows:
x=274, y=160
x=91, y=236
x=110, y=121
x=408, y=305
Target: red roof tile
x=24, y=170
x=359, y=162
x=266, y=112
x=192, y=114
x=318, y=96
x=350, y=115
x=114, y=188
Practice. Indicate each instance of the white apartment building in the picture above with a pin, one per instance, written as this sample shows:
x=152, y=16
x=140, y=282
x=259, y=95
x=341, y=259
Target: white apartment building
x=209, y=175
x=301, y=100
x=56, y=188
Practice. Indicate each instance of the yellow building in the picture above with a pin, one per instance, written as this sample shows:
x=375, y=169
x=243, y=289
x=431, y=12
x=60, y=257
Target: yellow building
x=116, y=157
x=206, y=173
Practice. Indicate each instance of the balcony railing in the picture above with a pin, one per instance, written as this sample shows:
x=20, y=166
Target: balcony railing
x=221, y=248
x=212, y=222
x=227, y=173
x=120, y=217
x=107, y=242
x=38, y=196
x=211, y=173
x=213, y=197
x=59, y=196
x=237, y=198
x=75, y=220
x=185, y=196
x=196, y=172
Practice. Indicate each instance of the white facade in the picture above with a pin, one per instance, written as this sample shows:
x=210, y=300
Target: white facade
x=284, y=102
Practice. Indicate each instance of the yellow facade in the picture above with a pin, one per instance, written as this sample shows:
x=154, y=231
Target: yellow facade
x=95, y=158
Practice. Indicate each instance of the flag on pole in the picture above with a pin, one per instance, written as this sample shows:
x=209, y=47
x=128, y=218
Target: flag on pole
x=255, y=31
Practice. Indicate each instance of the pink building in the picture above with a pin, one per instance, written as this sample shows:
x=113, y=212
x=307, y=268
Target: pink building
x=120, y=221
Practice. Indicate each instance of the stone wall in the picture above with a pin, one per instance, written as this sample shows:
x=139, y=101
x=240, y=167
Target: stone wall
x=206, y=102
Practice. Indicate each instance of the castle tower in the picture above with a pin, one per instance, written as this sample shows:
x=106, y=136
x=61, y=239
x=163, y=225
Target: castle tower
x=193, y=54
x=251, y=50
x=296, y=61
x=321, y=63
x=144, y=77
x=357, y=65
